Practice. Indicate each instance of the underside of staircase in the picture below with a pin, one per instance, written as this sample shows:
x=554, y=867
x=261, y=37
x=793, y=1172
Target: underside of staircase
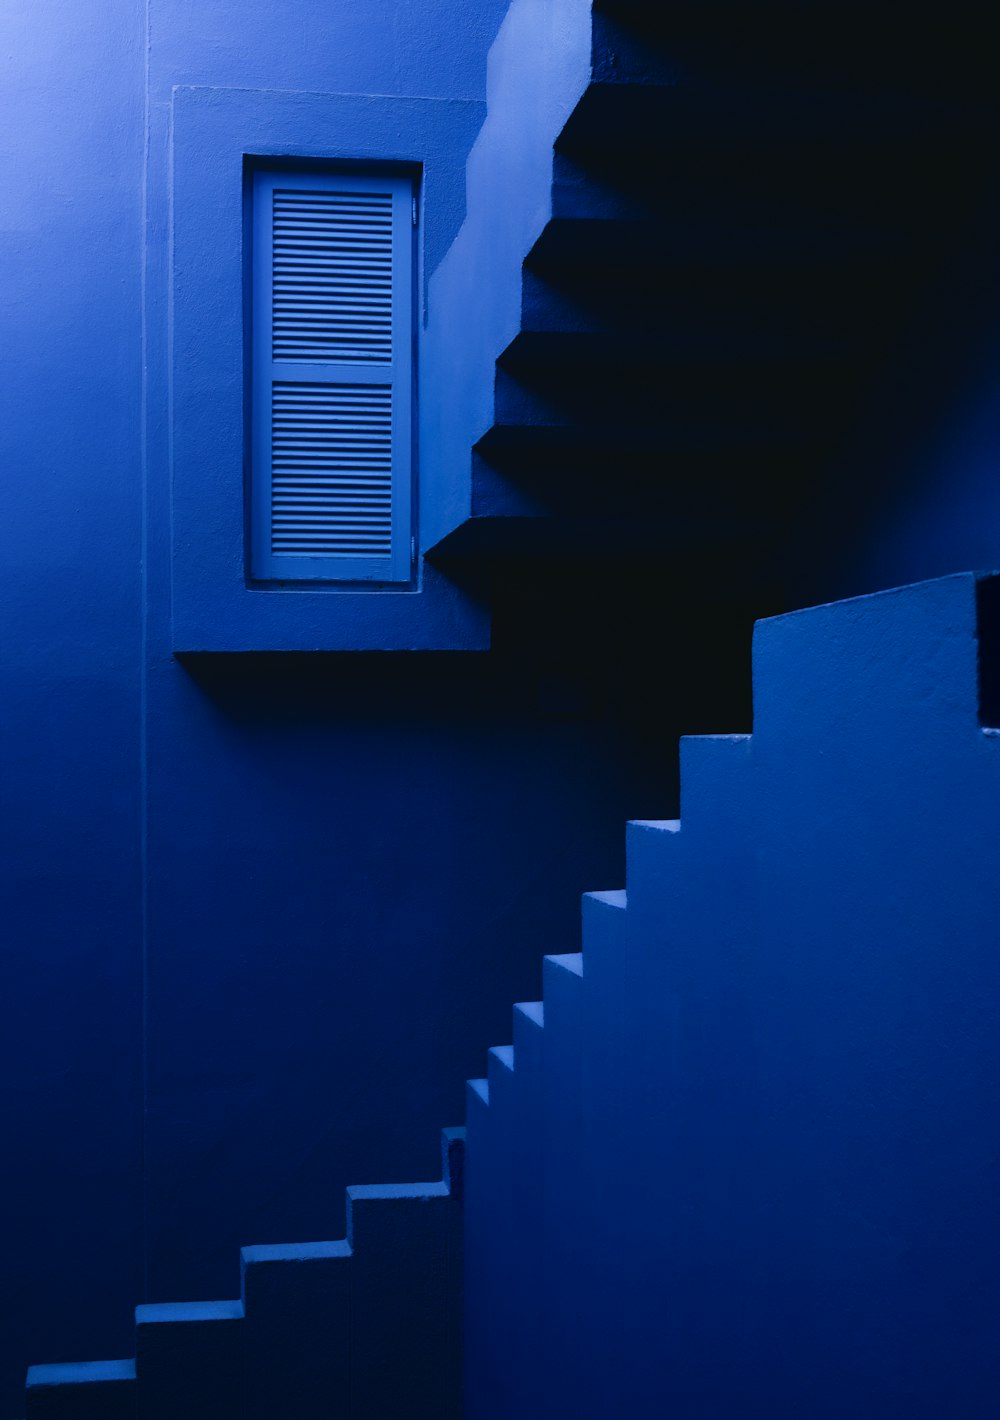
x=746, y=205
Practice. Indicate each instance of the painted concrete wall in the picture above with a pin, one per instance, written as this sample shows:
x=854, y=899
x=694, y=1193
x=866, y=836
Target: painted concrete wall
x=70, y=988
x=260, y=913
x=914, y=493
x=196, y=872
x=538, y=69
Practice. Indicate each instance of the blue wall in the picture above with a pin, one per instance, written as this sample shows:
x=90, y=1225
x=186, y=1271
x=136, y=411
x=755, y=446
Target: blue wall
x=70, y=988
x=258, y=821
x=260, y=912
x=914, y=492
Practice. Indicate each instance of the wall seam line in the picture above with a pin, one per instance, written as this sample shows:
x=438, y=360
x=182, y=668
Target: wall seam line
x=144, y=665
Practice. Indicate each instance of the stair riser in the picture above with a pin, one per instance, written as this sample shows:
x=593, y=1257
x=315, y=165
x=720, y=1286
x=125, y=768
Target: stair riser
x=113, y=1401
x=297, y=1340
x=604, y=940
x=852, y=45
x=405, y=1292
x=564, y=1254
x=486, y=1354
x=194, y=1369
x=680, y=407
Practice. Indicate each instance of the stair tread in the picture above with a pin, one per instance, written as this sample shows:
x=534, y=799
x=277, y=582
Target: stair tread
x=294, y=1252
x=156, y=1313
x=567, y=438
x=374, y=1192
x=715, y=241
x=571, y=962
x=504, y=1055
x=848, y=44
x=700, y=108
x=81, y=1373
x=614, y=897
x=491, y=536
x=677, y=346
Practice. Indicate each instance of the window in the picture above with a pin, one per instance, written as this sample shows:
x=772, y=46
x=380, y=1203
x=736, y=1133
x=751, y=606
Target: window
x=332, y=380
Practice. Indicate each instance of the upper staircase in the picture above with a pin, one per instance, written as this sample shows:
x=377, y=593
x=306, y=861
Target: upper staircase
x=745, y=203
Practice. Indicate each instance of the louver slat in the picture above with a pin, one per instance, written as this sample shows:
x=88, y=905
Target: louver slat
x=332, y=267
x=331, y=491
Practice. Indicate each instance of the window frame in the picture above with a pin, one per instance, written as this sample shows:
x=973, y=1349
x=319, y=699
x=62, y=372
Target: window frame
x=266, y=566
x=198, y=367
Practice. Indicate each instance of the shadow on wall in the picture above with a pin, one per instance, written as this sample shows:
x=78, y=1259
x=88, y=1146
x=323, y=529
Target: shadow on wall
x=360, y=860
x=627, y=653
x=915, y=494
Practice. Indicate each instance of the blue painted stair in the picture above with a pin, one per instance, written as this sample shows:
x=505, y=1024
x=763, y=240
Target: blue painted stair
x=741, y=213
x=743, y=1157
x=325, y=1329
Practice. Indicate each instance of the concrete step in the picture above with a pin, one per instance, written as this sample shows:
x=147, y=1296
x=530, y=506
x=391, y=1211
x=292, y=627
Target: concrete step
x=564, y=1252
x=406, y=1273
x=865, y=662
x=652, y=863
x=674, y=407
x=620, y=112
x=334, y=1329
x=609, y=354
x=562, y=981
x=189, y=1360
x=527, y=1148
x=857, y=46
x=529, y=1027
x=716, y=240
x=714, y=773
x=603, y=933
x=296, y=1299
x=84, y=1390
x=501, y=1077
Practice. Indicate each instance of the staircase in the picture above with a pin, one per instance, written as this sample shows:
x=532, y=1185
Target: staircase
x=743, y=1157
x=355, y=1328
x=742, y=211
x=740, y=1159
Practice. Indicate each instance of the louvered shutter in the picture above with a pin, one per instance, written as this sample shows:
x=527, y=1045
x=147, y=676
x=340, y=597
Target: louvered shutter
x=332, y=377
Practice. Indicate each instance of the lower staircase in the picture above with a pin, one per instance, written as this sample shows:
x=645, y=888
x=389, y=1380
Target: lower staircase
x=743, y=1158
x=362, y=1328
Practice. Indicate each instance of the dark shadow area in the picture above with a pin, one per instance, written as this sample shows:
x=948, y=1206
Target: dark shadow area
x=910, y=493
x=636, y=654
x=369, y=831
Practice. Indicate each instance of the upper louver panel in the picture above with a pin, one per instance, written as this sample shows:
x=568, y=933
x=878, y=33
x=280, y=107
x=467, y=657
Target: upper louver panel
x=332, y=255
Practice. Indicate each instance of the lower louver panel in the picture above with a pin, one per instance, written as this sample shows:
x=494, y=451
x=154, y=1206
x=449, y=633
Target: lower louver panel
x=331, y=469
